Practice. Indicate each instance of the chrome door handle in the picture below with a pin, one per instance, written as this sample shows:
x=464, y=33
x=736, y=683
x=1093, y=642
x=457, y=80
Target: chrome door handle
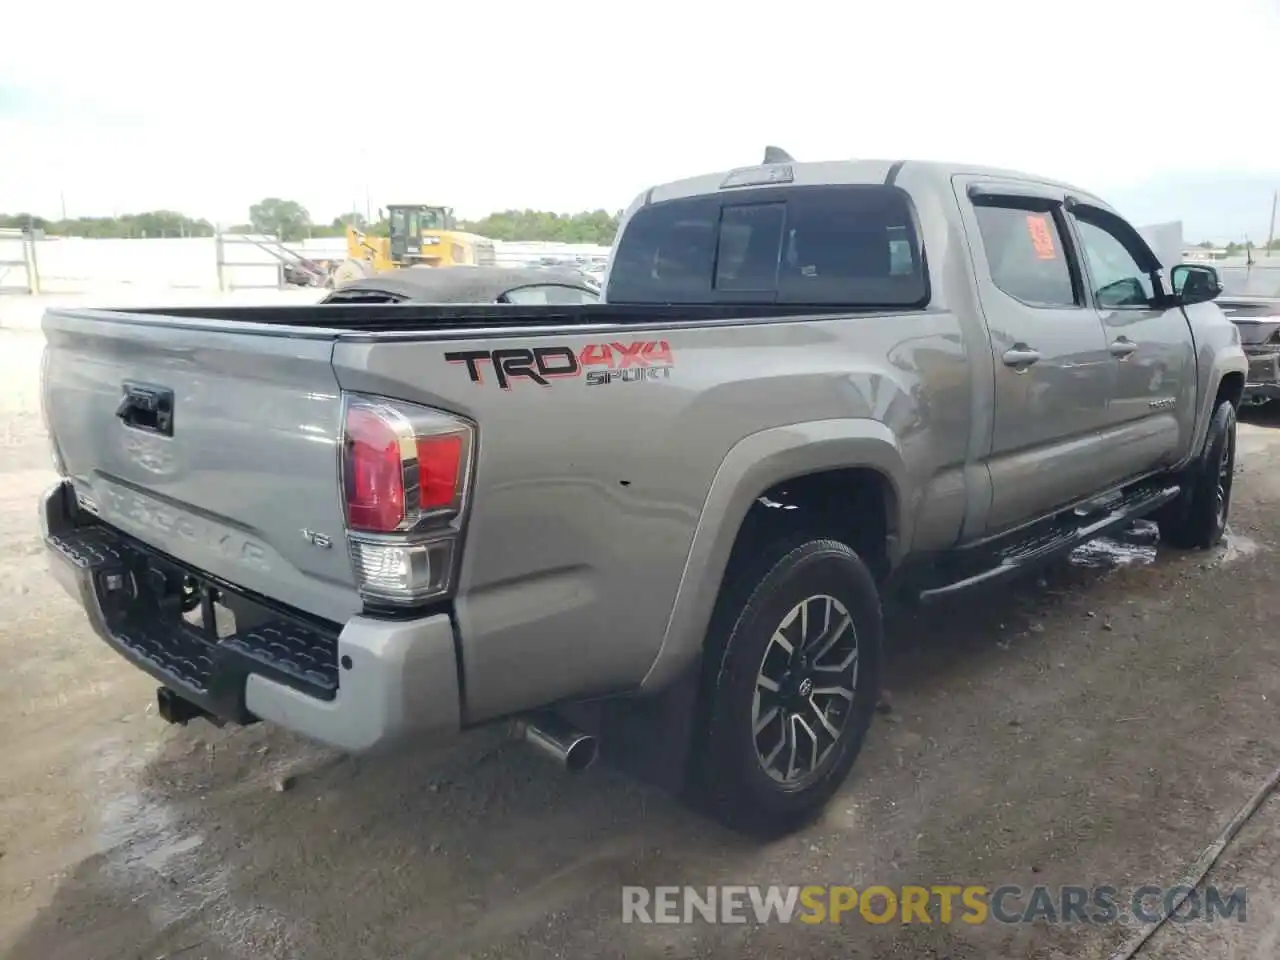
x=1020, y=357
x=1123, y=348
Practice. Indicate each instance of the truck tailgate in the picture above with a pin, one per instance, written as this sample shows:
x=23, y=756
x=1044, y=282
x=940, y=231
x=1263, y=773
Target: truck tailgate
x=247, y=461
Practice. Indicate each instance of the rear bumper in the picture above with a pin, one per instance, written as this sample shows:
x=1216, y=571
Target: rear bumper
x=357, y=687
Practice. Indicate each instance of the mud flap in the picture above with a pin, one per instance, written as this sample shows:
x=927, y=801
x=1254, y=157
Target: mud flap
x=649, y=738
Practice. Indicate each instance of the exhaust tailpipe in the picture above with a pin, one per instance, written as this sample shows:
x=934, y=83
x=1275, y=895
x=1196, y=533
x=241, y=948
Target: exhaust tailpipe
x=553, y=737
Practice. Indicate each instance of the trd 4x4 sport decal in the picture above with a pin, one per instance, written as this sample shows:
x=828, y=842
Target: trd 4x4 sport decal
x=600, y=363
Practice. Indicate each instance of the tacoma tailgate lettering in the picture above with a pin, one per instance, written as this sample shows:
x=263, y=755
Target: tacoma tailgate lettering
x=148, y=515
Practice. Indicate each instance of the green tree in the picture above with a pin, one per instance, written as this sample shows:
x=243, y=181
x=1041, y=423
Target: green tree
x=23, y=221
x=290, y=221
x=353, y=219
x=154, y=223
x=594, y=226
x=286, y=219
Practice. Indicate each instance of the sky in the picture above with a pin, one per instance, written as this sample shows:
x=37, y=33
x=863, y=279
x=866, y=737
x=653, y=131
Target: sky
x=127, y=106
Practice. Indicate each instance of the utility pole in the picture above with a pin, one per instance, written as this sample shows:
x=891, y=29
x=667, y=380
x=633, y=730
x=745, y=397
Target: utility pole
x=1271, y=232
x=62, y=199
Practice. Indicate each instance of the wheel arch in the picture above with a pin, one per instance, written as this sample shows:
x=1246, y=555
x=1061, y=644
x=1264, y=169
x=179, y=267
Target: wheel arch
x=1224, y=379
x=828, y=471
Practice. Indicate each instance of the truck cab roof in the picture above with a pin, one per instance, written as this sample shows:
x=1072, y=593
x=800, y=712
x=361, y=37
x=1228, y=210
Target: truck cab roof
x=923, y=174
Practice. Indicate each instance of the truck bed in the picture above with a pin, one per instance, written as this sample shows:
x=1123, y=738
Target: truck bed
x=575, y=504
x=464, y=319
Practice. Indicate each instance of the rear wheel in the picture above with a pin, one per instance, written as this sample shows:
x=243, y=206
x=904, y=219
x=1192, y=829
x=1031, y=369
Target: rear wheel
x=1198, y=518
x=793, y=672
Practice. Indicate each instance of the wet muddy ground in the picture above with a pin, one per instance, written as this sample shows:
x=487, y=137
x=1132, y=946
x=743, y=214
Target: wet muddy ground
x=1097, y=725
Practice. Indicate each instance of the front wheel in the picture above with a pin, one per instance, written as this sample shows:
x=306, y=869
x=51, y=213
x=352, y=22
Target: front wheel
x=793, y=674
x=1198, y=519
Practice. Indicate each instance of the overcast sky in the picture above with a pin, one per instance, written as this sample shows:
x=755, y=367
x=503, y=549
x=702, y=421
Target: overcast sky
x=207, y=108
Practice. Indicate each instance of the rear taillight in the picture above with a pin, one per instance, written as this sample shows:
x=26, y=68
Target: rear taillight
x=405, y=471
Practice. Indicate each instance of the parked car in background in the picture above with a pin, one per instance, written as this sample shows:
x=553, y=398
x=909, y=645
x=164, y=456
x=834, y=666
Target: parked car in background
x=1250, y=299
x=531, y=286
x=1258, y=321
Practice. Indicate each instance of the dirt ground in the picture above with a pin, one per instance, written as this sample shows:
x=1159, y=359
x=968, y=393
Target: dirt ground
x=1098, y=725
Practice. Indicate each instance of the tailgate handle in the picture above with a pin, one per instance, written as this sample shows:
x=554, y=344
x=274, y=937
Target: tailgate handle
x=146, y=407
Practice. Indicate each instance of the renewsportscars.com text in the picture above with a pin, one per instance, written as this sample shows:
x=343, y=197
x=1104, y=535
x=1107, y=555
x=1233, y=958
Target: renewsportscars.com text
x=937, y=904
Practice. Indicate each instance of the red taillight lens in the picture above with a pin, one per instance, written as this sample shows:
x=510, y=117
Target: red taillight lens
x=406, y=471
x=439, y=470
x=374, y=474
x=405, y=466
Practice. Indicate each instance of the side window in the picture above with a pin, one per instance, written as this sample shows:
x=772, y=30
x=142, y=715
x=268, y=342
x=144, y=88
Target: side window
x=1116, y=277
x=1027, y=257
x=666, y=253
x=549, y=295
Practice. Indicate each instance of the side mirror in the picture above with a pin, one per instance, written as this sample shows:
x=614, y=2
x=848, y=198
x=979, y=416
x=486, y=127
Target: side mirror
x=1194, y=283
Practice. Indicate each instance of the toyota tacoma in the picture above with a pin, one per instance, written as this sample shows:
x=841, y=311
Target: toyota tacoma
x=810, y=385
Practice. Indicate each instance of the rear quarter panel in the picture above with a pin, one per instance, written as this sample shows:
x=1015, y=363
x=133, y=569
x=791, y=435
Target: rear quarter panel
x=587, y=497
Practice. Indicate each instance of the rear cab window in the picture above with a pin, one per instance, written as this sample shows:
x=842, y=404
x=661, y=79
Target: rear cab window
x=854, y=245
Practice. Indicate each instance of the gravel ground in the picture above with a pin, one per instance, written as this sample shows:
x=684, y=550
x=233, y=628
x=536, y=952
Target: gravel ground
x=1098, y=725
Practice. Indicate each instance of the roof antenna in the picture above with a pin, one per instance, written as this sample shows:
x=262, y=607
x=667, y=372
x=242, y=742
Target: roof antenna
x=777, y=155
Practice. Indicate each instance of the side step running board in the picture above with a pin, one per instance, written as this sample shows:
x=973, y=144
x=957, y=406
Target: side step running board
x=1013, y=557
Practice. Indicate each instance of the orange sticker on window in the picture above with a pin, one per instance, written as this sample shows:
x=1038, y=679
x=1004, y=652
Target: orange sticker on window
x=1041, y=236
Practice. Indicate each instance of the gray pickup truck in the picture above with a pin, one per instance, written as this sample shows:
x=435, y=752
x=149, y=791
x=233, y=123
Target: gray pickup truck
x=811, y=385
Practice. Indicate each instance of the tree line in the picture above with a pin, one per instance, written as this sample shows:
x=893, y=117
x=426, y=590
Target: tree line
x=291, y=221
x=1234, y=249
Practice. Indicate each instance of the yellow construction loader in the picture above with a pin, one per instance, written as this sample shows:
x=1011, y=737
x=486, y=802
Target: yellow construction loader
x=418, y=236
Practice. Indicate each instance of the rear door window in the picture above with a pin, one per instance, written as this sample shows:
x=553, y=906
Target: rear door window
x=853, y=245
x=1026, y=253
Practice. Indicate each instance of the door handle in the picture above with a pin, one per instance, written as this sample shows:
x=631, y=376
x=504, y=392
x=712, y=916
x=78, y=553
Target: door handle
x=145, y=407
x=1123, y=348
x=1020, y=357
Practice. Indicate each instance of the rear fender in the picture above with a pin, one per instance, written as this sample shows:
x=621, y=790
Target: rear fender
x=752, y=466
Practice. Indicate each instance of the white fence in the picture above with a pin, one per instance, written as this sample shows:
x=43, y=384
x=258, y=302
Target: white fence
x=62, y=265
x=17, y=263
x=77, y=265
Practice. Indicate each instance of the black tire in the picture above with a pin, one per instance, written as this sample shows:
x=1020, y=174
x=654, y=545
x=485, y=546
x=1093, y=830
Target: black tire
x=1197, y=520
x=730, y=776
